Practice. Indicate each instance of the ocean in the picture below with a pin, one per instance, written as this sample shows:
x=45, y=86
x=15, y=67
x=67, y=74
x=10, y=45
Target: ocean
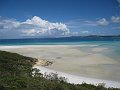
x=105, y=42
x=58, y=41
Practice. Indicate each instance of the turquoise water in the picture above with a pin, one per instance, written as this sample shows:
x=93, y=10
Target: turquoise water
x=59, y=41
x=112, y=44
x=112, y=51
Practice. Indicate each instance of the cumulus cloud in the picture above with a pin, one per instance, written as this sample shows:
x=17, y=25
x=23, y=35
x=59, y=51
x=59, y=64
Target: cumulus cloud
x=43, y=27
x=8, y=23
x=30, y=32
x=34, y=27
x=115, y=19
x=102, y=22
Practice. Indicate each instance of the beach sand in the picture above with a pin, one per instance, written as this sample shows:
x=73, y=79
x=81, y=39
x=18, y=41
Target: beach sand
x=43, y=62
x=78, y=60
x=79, y=80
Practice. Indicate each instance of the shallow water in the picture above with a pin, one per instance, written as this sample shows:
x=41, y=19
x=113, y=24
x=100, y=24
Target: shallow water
x=90, y=59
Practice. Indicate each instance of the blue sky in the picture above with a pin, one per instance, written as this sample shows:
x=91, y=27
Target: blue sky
x=56, y=18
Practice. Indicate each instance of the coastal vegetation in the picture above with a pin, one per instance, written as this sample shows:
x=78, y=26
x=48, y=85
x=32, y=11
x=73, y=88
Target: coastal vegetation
x=17, y=73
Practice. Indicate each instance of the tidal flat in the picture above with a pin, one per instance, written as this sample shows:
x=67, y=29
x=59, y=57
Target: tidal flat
x=88, y=60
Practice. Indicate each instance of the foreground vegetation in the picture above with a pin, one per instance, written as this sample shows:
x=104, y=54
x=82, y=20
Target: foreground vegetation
x=16, y=73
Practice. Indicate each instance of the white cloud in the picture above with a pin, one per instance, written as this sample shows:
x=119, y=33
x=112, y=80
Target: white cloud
x=34, y=27
x=74, y=33
x=102, y=22
x=9, y=23
x=90, y=23
x=30, y=32
x=118, y=2
x=82, y=23
x=115, y=19
x=46, y=27
x=85, y=32
x=46, y=24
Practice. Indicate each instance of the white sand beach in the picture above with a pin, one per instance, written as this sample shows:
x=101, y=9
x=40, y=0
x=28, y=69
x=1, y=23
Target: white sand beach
x=79, y=80
x=78, y=63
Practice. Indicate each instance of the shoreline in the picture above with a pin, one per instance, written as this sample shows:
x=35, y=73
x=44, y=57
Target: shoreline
x=74, y=79
x=79, y=80
x=73, y=57
x=23, y=46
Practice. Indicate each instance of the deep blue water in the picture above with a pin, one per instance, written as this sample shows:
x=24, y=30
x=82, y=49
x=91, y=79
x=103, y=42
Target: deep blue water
x=57, y=41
